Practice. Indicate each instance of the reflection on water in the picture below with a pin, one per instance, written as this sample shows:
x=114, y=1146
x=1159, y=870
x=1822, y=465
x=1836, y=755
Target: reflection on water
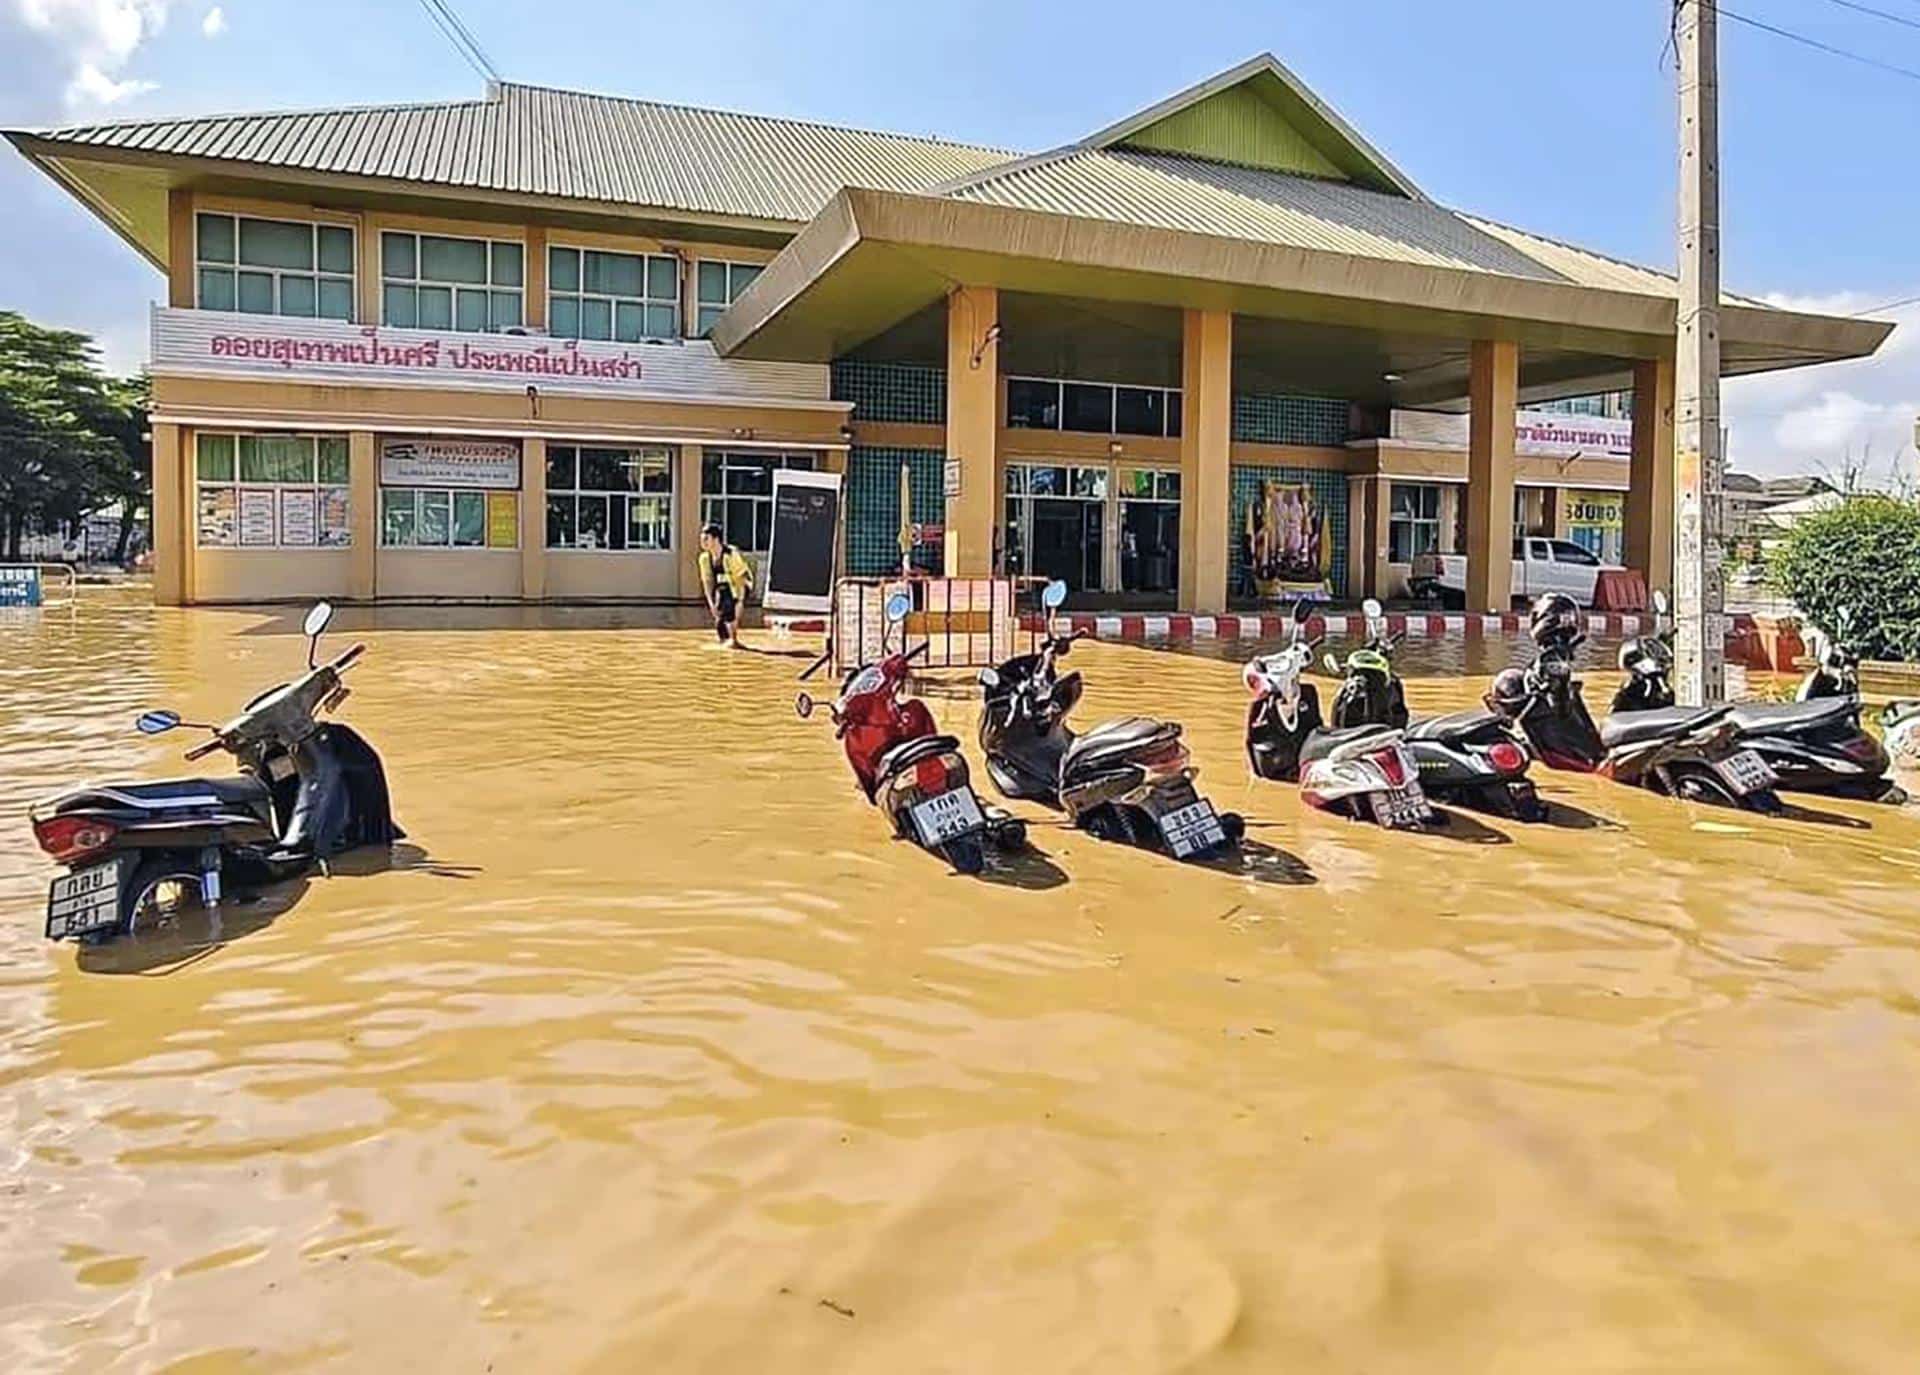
x=655, y=1054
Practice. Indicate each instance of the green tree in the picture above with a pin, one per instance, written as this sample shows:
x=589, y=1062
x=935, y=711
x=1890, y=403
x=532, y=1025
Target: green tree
x=1858, y=563
x=72, y=440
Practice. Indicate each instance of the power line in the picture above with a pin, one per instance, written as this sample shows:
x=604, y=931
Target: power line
x=1856, y=6
x=1890, y=305
x=1801, y=38
x=464, y=43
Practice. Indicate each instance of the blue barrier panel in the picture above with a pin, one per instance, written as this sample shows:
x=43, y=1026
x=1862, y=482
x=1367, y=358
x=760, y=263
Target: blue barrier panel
x=19, y=586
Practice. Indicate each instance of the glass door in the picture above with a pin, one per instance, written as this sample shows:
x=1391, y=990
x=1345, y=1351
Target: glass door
x=1056, y=523
x=1149, y=531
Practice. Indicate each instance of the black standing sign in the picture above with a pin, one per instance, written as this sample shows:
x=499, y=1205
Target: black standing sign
x=806, y=532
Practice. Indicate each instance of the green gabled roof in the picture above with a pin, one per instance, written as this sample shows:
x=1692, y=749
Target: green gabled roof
x=1258, y=115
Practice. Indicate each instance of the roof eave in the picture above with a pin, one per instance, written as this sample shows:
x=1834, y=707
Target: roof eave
x=36, y=150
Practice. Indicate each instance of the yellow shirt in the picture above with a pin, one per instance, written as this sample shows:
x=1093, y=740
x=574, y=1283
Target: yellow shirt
x=734, y=567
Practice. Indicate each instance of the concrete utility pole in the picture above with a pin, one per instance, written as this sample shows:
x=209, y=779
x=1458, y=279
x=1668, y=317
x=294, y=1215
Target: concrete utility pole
x=1699, y=592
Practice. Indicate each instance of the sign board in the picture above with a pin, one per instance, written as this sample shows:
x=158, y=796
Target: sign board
x=951, y=485
x=423, y=461
x=259, y=516
x=19, y=586
x=925, y=535
x=503, y=520
x=1602, y=510
x=1536, y=434
x=299, y=516
x=806, y=534
x=219, y=343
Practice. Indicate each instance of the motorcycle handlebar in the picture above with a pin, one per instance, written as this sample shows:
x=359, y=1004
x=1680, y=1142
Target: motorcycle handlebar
x=348, y=657
x=202, y=751
x=924, y=647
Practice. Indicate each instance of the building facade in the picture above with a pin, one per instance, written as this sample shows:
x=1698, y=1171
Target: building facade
x=521, y=348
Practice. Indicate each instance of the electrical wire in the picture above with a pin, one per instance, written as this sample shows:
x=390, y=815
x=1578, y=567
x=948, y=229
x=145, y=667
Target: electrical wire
x=1859, y=8
x=464, y=43
x=1829, y=48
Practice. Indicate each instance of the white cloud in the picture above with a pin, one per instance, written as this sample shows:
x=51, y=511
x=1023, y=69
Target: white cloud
x=95, y=39
x=1820, y=419
x=215, y=23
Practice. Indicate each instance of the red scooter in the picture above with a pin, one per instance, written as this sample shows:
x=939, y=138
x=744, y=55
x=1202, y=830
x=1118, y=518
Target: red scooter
x=914, y=774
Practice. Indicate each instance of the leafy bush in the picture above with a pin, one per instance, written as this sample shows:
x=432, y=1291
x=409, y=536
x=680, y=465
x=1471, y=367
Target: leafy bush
x=1862, y=558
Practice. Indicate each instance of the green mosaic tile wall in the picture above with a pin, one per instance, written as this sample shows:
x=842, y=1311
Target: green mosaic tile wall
x=1268, y=419
x=873, y=507
x=902, y=393
x=1329, y=492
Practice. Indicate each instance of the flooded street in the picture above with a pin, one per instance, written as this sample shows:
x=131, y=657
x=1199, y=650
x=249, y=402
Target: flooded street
x=650, y=1051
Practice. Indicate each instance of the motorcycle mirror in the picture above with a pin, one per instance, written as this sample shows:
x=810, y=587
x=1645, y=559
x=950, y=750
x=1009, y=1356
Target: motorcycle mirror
x=315, y=623
x=1333, y=665
x=989, y=678
x=1302, y=612
x=1371, y=606
x=898, y=605
x=803, y=705
x=1054, y=596
x=1660, y=602
x=156, y=722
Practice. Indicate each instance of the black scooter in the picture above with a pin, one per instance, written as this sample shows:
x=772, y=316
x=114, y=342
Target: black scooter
x=306, y=790
x=1469, y=758
x=1684, y=752
x=1814, y=744
x=1129, y=780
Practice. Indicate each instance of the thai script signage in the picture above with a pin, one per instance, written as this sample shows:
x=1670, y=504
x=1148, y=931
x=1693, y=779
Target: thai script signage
x=209, y=343
x=427, y=462
x=1603, y=510
x=19, y=586
x=1537, y=434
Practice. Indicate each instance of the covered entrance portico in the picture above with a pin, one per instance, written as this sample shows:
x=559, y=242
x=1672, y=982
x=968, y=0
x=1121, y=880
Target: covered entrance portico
x=1283, y=314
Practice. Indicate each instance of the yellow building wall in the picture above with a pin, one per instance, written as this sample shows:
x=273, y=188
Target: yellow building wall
x=601, y=573
x=463, y=573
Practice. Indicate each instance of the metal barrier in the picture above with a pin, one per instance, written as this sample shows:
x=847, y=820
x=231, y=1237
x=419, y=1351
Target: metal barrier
x=963, y=622
x=21, y=584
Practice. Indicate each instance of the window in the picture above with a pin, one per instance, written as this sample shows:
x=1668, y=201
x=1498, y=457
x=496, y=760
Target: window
x=736, y=494
x=625, y=296
x=1567, y=552
x=609, y=498
x=428, y=281
x=718, y=285
x=273, y=267
x=1044, y=403
x=286, y=491
x=447, y=518
x=1413, y=521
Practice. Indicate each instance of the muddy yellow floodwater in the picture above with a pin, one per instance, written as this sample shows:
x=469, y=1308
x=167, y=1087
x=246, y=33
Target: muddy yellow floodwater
x=650, y=1052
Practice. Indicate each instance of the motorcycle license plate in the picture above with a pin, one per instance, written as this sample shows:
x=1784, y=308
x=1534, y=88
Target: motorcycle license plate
x=951, y=814
x=1192, y=829
x=1401, y=807
x=85, y=900
x=1746, y=772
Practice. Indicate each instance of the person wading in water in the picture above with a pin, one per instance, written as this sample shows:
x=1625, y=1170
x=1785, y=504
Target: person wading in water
x=725, y=576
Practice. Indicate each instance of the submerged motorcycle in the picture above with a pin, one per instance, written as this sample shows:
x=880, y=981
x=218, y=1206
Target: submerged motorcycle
x=909, y=770
x=1129, y=780
x=1471, y=758
x=1360, y=769
x=1683, y=752
x=1814, y=744
x=135, y=852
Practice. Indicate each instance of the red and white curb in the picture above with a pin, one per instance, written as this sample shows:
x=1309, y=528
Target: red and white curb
x=1179, y=626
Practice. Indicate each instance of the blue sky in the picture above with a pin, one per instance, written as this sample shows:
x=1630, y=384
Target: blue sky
x=1535, y=112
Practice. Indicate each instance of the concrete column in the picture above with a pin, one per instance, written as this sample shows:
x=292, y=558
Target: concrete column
x=973, y=389
x=172, y=523
x=1359, y=565
x=533, y=302
x=1493, y=391
x=1649, y=505
x=1206, y=438
x=182, y=283
x=533, y=519
x=363, y=504
x=1562, y=499
x=686, y=519
x=1450, y=495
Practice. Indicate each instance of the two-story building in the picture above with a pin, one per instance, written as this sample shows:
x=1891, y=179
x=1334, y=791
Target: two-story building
x=520, y=348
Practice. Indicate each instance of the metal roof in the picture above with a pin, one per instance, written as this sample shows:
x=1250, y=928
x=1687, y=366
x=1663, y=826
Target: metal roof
x=539, y=141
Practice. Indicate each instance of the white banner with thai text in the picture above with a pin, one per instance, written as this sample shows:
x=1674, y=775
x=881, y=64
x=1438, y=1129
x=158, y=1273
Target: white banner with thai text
x=424, y=461
x=1539, y=434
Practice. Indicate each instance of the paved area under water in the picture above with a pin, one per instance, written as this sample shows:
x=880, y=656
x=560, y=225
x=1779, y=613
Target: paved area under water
x=649, y=1051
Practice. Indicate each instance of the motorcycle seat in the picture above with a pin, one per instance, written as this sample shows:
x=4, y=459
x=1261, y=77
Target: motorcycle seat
x=1457, y=726
x=1116, y=738
x=1324, y=742
x=910, y=752
x=1638, y=727
x=166, y=794
x=1765, y=717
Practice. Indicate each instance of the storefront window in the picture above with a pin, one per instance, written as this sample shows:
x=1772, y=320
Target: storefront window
x=429, y=281
x=614, y=499
x=718, y=285
x=268, y=491
x=736, y=493
x=1413, y=521
x=273, y=267
x=448, y=518
x=625, y=296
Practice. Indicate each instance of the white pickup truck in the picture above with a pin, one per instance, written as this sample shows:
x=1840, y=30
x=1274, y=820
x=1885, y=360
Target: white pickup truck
x=1539, y=566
